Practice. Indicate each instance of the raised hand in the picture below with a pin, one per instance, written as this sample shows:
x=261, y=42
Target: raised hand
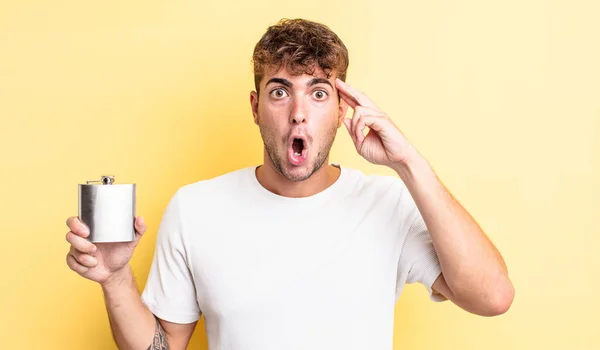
x=384, y=144
x=98, y=262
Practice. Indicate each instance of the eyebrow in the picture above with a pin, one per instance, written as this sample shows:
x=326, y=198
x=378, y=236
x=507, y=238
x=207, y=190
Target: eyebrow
x=316, y=81
x=280, y=81
x=289, y=84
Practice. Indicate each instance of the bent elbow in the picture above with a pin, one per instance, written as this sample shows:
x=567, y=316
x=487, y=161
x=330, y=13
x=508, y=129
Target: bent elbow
x=502, y=300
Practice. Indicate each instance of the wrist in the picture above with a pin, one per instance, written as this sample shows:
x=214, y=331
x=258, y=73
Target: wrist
x=411, y=167
x=117, y=278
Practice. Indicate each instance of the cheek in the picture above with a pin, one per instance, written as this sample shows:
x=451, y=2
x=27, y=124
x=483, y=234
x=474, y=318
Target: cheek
x=325, y=115
x=272, y=124
x=270, y=108
x=274, y=115
x=326, y=108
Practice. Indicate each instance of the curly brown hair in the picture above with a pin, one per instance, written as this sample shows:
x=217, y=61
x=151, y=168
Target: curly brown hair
x=301, y=45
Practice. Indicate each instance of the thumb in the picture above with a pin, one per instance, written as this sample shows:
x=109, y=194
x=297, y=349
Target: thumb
x=140, y=228
x=348, y=123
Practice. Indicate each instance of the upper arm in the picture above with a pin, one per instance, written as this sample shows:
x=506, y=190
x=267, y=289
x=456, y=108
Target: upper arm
x=470, y=305
x=177, y=334
x=441, y=290
x=418, y=261
x=170, y=292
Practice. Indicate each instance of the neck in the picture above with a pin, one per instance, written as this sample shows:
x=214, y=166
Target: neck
x=275, y=182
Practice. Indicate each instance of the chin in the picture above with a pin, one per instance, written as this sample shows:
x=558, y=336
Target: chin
x=297, y=173
x=302, y=172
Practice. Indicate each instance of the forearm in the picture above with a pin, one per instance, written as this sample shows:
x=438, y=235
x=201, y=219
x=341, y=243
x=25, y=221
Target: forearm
x=133, y=325
x=473, y=268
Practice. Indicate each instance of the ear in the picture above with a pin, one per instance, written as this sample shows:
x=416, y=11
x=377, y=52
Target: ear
x=254, y=105
x=342, y=109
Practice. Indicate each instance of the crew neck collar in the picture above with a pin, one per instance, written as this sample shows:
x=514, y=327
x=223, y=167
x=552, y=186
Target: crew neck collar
x=283, y=199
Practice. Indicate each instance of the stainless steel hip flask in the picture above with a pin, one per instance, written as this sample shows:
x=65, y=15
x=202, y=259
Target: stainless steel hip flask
x=108, y=210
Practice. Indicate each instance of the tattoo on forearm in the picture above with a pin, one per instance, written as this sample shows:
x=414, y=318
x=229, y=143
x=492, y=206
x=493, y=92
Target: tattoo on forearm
x=160, y=339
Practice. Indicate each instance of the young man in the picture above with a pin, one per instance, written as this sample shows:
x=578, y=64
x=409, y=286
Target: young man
x=298, y=253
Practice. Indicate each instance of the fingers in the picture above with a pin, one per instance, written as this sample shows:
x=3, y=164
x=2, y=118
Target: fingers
x=79, y=258
x=349, y=99
x=80, y=243
x=83, y=259
x=366, y=112
x=362, y=118
x=75, y=266
x=354, y=97
x=77, y=227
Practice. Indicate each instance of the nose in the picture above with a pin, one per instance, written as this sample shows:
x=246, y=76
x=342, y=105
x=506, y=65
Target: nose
x=298, y=113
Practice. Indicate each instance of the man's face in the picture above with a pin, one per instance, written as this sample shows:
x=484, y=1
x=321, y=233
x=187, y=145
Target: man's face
x=298, y=117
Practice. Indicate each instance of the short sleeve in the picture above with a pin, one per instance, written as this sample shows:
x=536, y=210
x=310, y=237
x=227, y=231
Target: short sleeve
x=418, y=261
x=170, y=293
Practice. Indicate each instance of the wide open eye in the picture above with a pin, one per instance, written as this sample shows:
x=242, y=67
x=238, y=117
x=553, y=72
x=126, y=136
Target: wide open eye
x=320, y=94
x=279, y=93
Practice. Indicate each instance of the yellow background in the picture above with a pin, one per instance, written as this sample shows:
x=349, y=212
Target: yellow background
x=503, y=98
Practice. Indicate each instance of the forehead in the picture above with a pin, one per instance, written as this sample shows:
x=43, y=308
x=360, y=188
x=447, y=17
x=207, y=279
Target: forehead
x=284, y=73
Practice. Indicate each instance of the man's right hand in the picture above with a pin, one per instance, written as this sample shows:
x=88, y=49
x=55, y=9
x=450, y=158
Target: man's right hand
x=100, y=262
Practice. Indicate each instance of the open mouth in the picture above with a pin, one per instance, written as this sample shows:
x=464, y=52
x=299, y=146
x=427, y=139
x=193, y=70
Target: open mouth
x=298, y=151
x=298, y=146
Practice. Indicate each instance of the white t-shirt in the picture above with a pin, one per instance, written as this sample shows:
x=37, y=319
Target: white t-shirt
x=271, y=272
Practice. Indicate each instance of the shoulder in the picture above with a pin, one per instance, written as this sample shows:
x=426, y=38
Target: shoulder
x=374, y=182
x=386, y=191
x=218, y=187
